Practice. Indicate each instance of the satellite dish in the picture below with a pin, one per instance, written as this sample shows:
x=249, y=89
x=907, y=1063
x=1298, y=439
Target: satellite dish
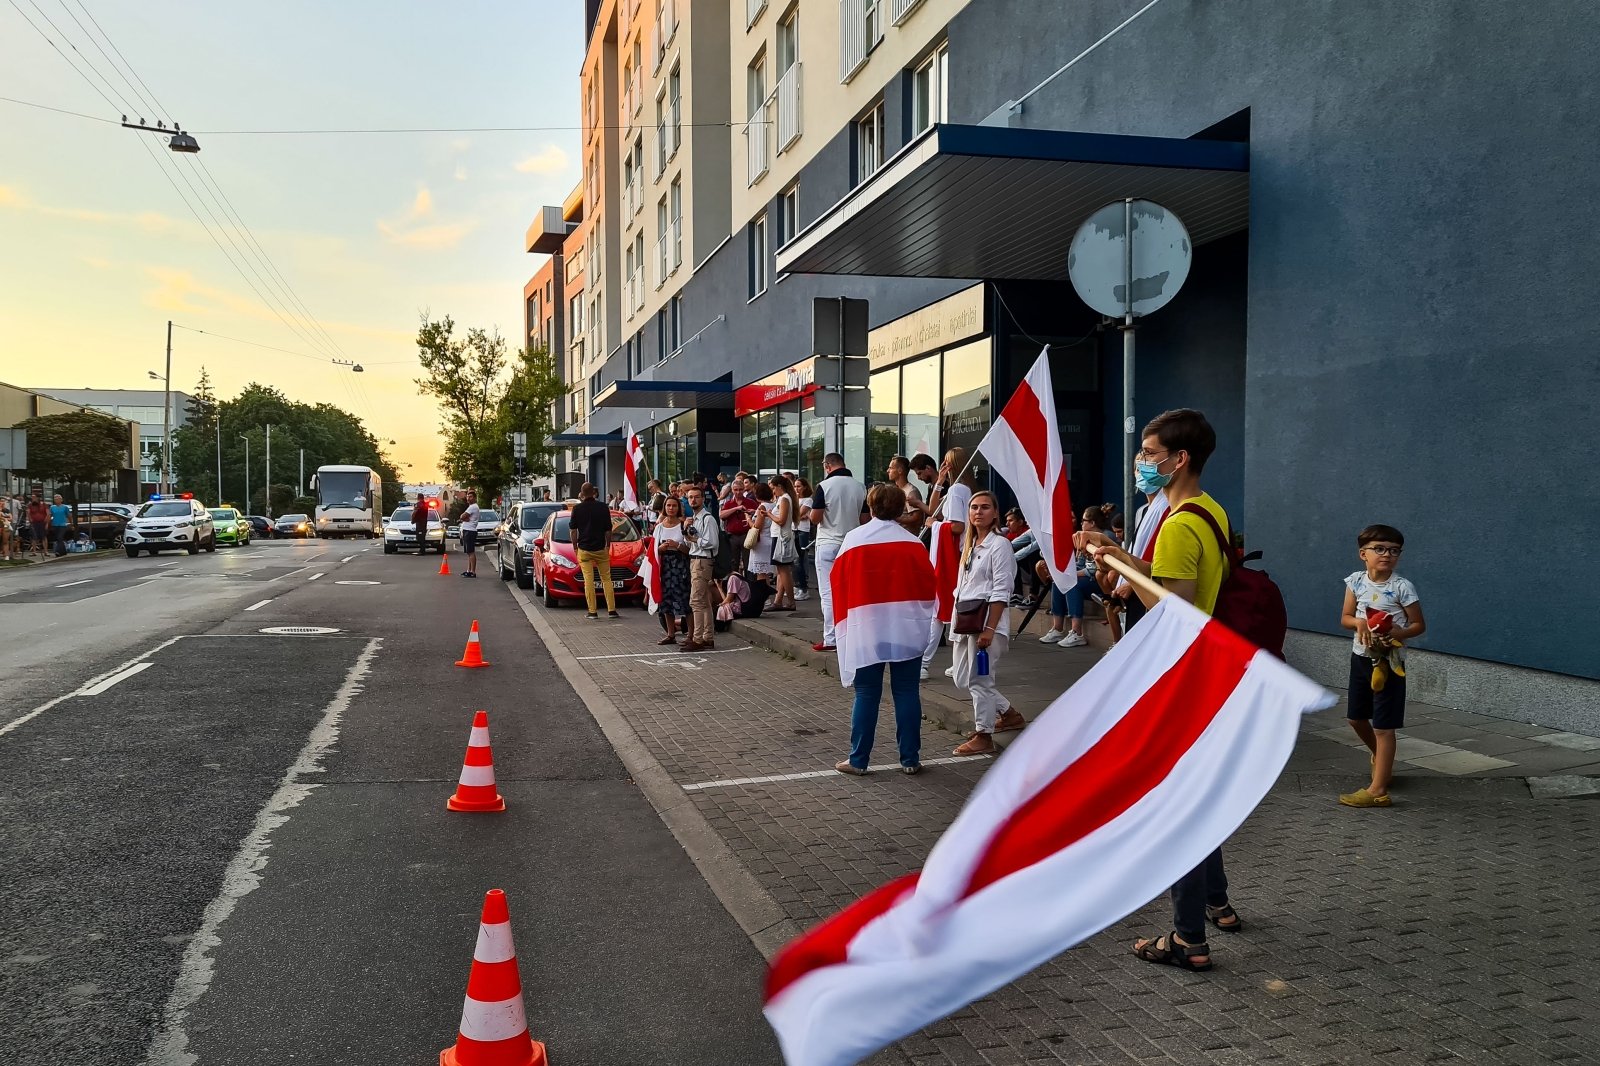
x=1118, y=284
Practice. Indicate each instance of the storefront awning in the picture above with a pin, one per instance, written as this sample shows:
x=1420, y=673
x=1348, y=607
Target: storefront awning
x=998, y=202
x=667, y=395
x=579, y=440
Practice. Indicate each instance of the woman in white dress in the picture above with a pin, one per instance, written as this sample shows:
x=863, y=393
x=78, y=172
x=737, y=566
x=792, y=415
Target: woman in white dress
x=761, y=521
x=784, y=552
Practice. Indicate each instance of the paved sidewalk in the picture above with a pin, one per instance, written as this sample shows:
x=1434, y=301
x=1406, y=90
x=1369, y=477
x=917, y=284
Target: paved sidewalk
x=1448, y=928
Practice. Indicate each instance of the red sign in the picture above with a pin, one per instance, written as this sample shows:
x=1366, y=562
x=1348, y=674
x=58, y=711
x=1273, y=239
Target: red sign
x=792, y=384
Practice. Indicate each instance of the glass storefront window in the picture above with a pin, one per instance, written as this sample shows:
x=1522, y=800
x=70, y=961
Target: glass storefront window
x=789, y=436
x=750, y=442
x=813, y=434
x=968, y=408
x=883, y=437
x=919, y=404
x=767, y=439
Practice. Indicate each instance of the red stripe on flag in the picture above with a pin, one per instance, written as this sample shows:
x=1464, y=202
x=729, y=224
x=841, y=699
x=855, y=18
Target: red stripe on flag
x=1133, y=757
x=829, y=943
x=1062, y=523
x=881, y=573
x=1025, y=416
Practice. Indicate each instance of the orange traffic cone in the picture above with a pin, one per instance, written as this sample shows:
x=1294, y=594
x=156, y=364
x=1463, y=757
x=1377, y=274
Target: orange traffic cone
x=494, y=1031
x=444, y=564
x=476, y=791
x=473, y=656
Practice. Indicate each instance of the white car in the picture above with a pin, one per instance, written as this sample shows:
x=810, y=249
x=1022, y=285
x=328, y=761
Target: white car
x=167, y=522
x=401, y=533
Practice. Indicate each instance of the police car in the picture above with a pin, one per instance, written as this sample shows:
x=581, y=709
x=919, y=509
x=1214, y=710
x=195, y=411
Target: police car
x=167, y=522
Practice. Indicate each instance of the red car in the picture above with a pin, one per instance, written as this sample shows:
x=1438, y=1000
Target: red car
x=555, y=561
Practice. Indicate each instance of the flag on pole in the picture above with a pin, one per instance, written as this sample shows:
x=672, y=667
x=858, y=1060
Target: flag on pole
x=650, y=574
x=944, y=552
x=883, y=597
x=1128, y=781
x=1024, y=447
x=632, y=460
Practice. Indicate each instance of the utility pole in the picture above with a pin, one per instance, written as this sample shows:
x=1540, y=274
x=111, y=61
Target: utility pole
x=269, y=470
x=166, y=420
x=300, y=486
x=246, y=471
x=219, y=465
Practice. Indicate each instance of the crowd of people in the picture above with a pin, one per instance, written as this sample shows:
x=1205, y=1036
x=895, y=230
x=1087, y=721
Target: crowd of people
x=41, y=527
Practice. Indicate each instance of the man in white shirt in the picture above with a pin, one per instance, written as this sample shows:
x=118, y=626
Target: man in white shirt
x=469, y=534
x=836, y=509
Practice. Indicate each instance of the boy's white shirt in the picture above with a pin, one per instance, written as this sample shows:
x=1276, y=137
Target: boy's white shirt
x=1392, y=597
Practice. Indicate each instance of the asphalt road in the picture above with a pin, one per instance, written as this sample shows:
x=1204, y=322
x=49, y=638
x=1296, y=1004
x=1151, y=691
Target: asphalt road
x=228, y=846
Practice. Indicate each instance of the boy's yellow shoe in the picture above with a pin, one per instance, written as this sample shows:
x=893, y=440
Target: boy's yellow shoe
x=1362, y=798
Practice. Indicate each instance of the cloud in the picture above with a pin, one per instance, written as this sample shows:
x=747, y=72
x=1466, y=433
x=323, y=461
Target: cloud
x=548, y=160
x=10, y=197
x=406, y=232
x=422, y=206
x=153, y=222
x=461, y=172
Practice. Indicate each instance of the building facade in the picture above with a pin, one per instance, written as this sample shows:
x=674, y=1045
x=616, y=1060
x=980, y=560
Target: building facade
x=1374, y=197
x=17, y=405
x=134, y=405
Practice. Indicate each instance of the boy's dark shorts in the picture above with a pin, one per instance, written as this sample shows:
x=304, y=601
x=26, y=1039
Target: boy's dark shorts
x=1386, y=709
x=469, y=540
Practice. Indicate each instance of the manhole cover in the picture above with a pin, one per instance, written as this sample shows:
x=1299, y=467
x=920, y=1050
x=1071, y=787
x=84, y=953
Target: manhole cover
x=358, y=582
x=296, y=631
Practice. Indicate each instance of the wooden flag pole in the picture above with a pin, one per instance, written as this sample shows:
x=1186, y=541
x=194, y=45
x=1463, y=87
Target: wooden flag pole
x=1134, y=576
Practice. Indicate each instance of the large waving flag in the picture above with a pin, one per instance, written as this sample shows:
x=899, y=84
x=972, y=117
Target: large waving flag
x=1127, y=782
x=1024, y=447
x=632, y=460
x=883, y=597
x=944, y=553
x=650, y=574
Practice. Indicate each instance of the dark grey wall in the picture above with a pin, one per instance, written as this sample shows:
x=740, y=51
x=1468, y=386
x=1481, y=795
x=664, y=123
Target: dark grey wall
x=1420, y=334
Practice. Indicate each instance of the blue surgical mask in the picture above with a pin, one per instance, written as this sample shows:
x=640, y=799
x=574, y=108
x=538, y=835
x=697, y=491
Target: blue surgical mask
x=1149, y=478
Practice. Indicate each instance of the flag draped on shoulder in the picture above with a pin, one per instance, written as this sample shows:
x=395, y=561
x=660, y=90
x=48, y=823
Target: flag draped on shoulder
x=650, y=574
x=1024, y=447
x=944, y=553
x=883, y=597
x=632, y=460
x=1124, y=784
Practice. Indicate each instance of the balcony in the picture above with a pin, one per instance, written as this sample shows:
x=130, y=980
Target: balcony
x=669, y=20
x=860, y=30
x=788, y=97
x=677, y=242
x=900, y=10
x=661, y=261
x=757, y=134
x=752, y=11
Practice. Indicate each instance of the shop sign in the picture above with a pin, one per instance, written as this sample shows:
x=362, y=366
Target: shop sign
x=951, y=320
x=774, y=389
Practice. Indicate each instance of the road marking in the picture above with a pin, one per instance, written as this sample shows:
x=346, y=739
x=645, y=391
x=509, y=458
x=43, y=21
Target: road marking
x=69, y=584
x=170, y=1045
x=136, y=668
x=258, y=606
x=16, y=723
x=313, y=577
x=811, y=774
x=657, y=654
x=347, y=558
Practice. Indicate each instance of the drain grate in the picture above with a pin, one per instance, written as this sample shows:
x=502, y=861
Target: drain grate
x=297, y=631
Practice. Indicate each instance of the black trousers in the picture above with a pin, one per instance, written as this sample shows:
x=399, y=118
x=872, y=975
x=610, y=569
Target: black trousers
x=1206, y=884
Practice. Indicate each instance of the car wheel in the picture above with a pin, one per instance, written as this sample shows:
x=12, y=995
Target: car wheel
x=524, y=575
x=550, y=599
x=133, y=553
x=389, y=549
x=193, y=549
x=500, y=563
x=211, y=545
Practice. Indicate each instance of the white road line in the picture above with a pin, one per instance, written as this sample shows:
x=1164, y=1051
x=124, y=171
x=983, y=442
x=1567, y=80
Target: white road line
x=657, y=654
x=37, y=711
x=313, y=577
x=347, y=558
x=810, y=774
x=69, y=584
x=170, y=1045
x=136, y=668
x=258, y=606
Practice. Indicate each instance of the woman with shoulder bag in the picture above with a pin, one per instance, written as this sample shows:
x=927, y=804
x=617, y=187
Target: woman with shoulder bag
x=982, y=623
x=672, y=553
x=784, y=552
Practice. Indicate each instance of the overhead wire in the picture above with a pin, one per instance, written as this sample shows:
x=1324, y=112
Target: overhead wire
x=124, y=58
x=154, y=108
x=66, y=58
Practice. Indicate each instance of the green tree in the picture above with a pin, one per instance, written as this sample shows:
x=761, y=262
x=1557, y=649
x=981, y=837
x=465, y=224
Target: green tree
x=529, y=403
x=77, y=447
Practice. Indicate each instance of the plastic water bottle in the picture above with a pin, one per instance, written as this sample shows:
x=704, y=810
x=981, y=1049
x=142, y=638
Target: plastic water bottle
x=981, y=667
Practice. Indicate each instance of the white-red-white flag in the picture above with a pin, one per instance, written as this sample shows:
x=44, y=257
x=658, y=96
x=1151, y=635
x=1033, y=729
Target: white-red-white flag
x=883, y=597
x=650, y=574
x=944, y=553
x=1128, y=781
x=632, y=460
x=1024, y=447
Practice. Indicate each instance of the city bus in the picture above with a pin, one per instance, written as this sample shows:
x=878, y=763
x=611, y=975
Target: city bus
x=349, y=501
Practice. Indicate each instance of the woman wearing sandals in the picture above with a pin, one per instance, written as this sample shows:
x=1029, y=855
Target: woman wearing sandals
x=782, y=509
x=988, y=572
x=672, y=554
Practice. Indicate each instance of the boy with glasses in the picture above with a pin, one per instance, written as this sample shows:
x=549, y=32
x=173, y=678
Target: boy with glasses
x=1384, y=611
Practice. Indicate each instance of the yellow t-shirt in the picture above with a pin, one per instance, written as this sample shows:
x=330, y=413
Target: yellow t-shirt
x=1186, y=549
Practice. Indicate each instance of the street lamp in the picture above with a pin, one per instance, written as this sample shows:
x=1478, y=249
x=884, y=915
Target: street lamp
x=179, y=141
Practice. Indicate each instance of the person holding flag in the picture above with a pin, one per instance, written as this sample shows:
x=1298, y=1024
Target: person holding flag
x=882, y=595
x=988, y=573
x=667, y=584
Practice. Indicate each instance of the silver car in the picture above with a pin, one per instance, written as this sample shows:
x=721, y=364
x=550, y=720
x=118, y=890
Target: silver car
x=514, y=539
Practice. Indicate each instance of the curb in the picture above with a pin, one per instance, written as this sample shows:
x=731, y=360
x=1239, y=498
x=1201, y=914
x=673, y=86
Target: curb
x=760, y=915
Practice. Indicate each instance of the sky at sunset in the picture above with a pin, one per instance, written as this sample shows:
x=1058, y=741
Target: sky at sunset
x=97, y=250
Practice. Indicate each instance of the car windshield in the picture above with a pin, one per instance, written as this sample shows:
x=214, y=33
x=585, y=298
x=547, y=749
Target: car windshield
x=165, y=509
x=488, y=518
x=401, y=514
x=533, y=517
x=222, y=515
x=344, y=488
x=623, y=531
x=293, y=518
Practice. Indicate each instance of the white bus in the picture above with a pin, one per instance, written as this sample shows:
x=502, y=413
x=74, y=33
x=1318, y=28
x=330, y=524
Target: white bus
x=349, y=501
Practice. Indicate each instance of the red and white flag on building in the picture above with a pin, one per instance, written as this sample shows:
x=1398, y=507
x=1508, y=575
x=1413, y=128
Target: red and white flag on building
x=632, y=460
x=650, y=574
x=1024, y=447
x=883, y=597
x=1127, y=782
x=944, y=552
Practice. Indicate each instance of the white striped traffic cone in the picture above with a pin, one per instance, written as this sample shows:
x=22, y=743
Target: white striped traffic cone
x=494, y=1030
x=476, y=791
x=473, y=656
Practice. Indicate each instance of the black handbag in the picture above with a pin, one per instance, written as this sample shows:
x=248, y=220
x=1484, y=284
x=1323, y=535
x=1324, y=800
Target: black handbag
x=969, y=616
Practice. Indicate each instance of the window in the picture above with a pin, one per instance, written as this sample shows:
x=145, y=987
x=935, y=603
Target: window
x=675, y=198
x=675, y=99
x=575, y=317
x=627, y=183
x=930, y=93
x=758, y=256
x=663, y=240
x=675, y=306
x=869, y=144
x=860, y=30
x=627, y=86
x=638, y=257
x=756, y=86
x=661, y=132
x=630, y=271
x=788, y=88
x=638, y=69
x=661, y=335
x=788, y=214
x=756, y=131
x=788, y=40
x=638, y=174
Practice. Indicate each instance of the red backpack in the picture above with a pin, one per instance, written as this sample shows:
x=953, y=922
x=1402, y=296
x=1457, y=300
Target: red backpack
x=1249, y=602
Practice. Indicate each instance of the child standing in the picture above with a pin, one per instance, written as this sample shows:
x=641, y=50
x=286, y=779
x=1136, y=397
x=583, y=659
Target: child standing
x=1384, y=611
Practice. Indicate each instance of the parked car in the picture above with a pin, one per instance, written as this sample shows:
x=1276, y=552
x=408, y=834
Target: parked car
x=400, y=532
x=127, y=510
x=555, y=561
x=514, y=540
x=488, y=527
x=231, y=526
x=288, y=526
x=179, y=521
x=260, y=526
x=104, y=524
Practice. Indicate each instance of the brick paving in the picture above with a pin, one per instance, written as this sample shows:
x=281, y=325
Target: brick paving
x=1455, y=926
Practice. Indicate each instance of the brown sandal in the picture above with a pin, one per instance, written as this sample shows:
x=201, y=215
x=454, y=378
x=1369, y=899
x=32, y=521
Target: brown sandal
x=670, y=638
x=1166, y=950
x=1224, y=918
